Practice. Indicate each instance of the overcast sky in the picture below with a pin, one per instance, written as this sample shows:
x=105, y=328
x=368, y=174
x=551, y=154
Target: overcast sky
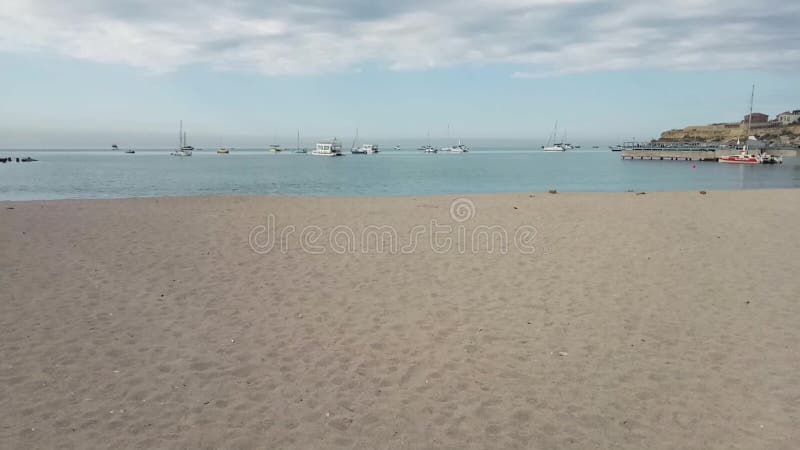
x=82, y=71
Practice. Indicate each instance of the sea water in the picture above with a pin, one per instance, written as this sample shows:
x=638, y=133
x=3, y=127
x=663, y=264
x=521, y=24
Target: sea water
x=113, y=174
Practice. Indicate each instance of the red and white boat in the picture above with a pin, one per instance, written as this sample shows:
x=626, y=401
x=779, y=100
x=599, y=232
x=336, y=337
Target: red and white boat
x=741, y=158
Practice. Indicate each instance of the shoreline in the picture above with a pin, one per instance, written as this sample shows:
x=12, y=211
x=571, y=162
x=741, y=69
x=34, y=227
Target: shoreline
x=422, y=196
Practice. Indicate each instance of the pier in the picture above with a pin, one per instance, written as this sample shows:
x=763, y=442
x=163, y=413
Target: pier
x=690, y=152
x=671, y=155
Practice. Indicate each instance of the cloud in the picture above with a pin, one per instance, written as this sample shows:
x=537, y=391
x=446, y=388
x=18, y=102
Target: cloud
x=536, y=37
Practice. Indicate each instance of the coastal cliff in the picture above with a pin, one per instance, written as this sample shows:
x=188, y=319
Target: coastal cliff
x=788, y=135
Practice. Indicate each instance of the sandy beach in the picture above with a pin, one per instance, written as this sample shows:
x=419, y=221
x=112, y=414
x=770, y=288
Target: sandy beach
x=662, y=320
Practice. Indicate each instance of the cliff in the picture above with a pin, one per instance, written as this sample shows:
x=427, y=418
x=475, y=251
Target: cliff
x=779, y=136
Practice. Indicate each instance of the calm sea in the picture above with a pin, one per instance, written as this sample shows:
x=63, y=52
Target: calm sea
x=106, y=174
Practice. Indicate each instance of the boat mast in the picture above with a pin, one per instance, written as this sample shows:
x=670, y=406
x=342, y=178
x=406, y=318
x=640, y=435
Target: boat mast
x=180, y=135
x=750, y=116
x=298, y=139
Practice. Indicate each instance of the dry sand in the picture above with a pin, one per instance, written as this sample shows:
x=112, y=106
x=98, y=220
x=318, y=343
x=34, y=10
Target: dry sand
x=665, y=320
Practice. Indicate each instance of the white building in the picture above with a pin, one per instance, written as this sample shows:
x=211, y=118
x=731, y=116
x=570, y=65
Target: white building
x=788, y=118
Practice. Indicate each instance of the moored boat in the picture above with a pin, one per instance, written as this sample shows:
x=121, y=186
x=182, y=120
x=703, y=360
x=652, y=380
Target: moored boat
x=429, y=149
x=555, y=148
x=552, y=145
x=299, y=149
x=328, y=147
x=459, y=148
x=365, y=149
x=183, y=149
x=744, y=157
x=741, y=158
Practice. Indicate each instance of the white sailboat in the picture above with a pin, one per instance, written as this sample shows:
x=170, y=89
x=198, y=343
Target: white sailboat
x=183, y=149
x=552, y=146
x=428, y=148
x=460, y=148
x=363, y=149
x=298, y=149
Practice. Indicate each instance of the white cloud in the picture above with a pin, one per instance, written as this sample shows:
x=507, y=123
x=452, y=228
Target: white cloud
x=537, y=37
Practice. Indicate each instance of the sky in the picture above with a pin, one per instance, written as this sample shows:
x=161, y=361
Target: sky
x=247, y=73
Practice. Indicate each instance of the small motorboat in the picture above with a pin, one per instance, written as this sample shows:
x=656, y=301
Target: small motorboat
x=130, y=151
x=365, y=149
x=223, y=151
x=27, y=159
x=769, y=159
x=429, y=149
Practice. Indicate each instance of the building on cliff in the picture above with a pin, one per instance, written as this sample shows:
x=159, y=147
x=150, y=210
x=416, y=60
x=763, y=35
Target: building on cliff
x=757, y=118
x=789, y=117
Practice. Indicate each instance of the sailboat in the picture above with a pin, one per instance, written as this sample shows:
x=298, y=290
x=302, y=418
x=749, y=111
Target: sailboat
x=183, y=149
x=364, y=149
x=428, y=148
x=274, y=147
x=298, y=149
x=115, y=147
x=552, y=146
x=460, y=148
x=564, y=143
x=746, y=158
